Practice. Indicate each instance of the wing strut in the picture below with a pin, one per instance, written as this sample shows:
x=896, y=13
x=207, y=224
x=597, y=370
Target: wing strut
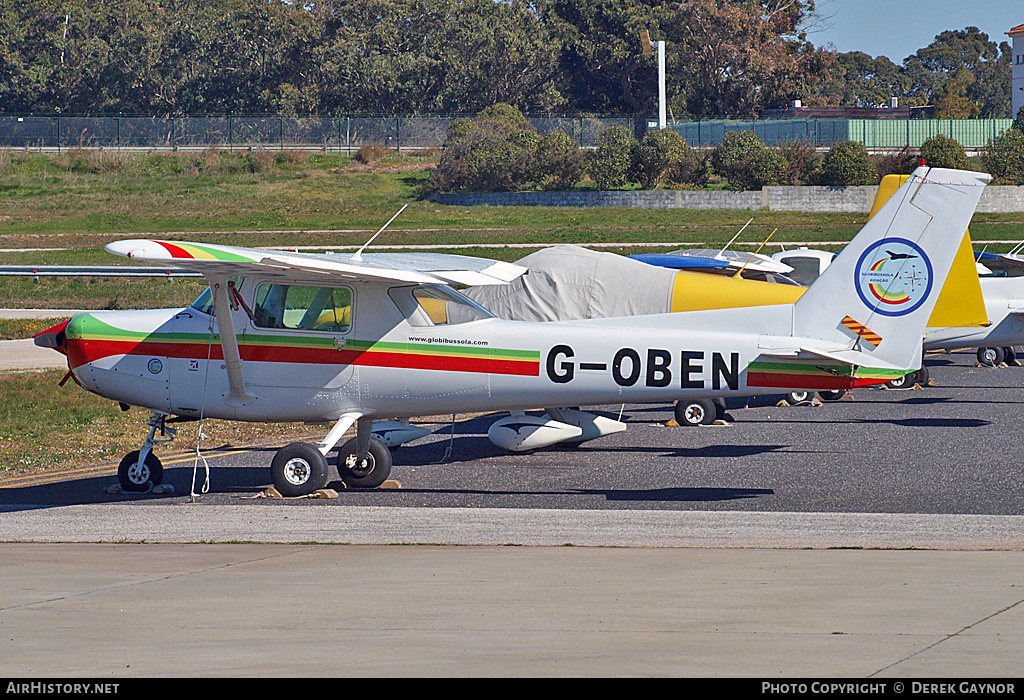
x=229, y=343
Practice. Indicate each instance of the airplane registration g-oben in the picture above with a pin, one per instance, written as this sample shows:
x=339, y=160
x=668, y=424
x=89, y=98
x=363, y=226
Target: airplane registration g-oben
x=353, y=339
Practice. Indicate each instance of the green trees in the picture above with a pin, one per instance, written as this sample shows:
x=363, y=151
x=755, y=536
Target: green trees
x=659, y=150
x=962, y=73
x=612, y=166
x=725, y=59
x=558, y=161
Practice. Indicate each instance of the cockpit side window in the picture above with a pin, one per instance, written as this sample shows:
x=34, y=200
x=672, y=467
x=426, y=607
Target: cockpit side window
x=436, y=305
x=303, y=307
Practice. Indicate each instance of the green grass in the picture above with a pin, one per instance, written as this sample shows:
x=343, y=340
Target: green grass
x=21, y=328
x=70, y=205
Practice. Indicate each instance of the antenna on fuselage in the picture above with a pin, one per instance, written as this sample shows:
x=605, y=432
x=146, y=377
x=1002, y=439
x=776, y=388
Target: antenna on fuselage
x=735, y=237
x=754, y=254
x=357, y=256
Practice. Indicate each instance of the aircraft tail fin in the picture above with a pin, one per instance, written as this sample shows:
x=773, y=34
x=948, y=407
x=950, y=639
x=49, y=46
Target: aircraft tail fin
x=877, y=295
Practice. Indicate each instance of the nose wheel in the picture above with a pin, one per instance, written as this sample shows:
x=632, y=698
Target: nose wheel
x=138, y=474
x=140, y=471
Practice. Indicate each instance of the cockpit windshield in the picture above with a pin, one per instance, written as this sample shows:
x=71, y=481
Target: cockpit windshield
x=204, y=303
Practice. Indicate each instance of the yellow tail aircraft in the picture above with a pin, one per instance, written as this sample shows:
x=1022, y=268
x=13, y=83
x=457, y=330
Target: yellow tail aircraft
x=569, y=283
x=960, y=304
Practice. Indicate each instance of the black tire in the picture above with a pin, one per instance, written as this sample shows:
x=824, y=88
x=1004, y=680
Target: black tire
x=901, y=382
x=695, y=412
x=921, y=376
x=139, y=478
x=832, y=395
x=990, y=357
x=374, y=470
x=298, y=470
x=1009, y=354
x=803, y=396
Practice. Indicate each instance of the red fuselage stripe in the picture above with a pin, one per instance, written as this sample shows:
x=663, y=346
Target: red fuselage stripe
x=83, y=351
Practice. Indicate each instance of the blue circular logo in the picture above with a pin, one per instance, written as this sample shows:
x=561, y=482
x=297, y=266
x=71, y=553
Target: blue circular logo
x=893, y=277
x=155, y=366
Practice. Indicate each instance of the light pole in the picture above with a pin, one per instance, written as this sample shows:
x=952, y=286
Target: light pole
x=645, y=39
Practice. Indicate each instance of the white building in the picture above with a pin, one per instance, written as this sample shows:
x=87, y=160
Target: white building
x=1017, y=86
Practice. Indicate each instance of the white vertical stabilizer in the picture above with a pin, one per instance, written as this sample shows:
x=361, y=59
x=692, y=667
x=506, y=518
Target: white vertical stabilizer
x=878, y=294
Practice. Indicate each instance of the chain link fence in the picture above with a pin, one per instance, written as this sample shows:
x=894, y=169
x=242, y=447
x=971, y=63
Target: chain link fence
x=347, y=134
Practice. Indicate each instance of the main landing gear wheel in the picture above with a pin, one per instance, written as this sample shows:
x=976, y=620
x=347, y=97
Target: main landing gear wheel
x=990, y=357
x=696, y=412
x=795, y=397
x=901, y=382
x=370, y=472
x=832, y=395
x=140, y=477
x=298, y=470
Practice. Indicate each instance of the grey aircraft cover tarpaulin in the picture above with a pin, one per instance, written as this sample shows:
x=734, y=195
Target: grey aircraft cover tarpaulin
x=568, y=283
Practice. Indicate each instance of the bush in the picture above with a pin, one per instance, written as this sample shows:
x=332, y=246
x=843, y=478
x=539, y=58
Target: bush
x=944, y=152
x=559, y=162
x=494, y=152
x=1018, y=122
x=803, y=164
x=371, y=154
x=766, y=168
x=848, y=163
x=659, y=152
x=902, y=163
x=613, y=164
x=732, y=159
x=1004, y=157
x=693, y=170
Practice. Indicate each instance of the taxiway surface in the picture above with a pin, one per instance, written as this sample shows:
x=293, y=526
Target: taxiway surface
x=875, y=538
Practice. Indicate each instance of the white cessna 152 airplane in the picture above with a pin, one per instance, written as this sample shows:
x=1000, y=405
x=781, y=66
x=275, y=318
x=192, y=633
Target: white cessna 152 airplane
x=351, y=339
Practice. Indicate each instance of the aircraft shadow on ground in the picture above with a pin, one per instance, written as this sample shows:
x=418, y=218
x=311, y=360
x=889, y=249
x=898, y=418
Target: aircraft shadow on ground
x=96, y=489
x=251, y=480
x=470, y=448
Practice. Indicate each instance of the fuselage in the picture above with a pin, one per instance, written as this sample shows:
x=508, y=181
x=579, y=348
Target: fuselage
x=1004, y=306
x=397, y=351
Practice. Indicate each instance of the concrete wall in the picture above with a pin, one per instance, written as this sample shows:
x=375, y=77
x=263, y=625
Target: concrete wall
x=816, y=199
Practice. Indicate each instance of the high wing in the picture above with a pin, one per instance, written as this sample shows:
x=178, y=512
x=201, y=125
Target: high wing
x=218, y=261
